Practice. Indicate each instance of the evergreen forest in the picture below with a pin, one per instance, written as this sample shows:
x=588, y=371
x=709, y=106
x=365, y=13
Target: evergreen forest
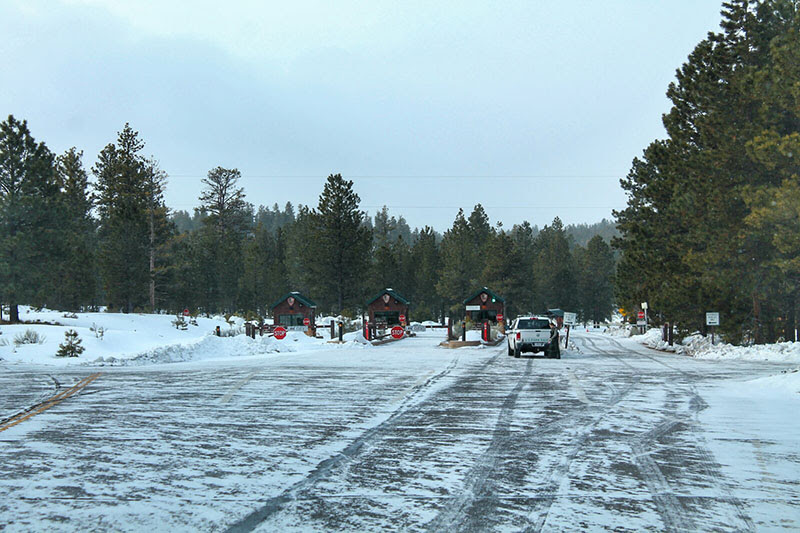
x=713, y=216
x=70, y=242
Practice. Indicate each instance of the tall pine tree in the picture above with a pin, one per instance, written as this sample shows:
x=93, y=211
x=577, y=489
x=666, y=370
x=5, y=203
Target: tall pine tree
x=29, y=197
x=130, y=205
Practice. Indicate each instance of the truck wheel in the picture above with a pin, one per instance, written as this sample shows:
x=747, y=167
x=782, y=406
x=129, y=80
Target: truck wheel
x=510, y=351
x=517, y=352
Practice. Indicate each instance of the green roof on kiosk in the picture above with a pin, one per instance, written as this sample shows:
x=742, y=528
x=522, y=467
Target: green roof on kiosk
x=297, y=296
x=393, y=294
x=494, y=295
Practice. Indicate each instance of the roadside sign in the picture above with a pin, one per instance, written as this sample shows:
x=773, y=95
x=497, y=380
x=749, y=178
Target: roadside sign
x=398, y=332
x=712, y=319
x=306, y=321
x=473, y=308
x=500, y=316
x=280, y=332
x=403, y=319
x=186, y=312
x=570, y=318
x=640, y=319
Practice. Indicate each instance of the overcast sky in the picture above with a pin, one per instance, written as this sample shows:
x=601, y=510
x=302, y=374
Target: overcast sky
x=532, y=108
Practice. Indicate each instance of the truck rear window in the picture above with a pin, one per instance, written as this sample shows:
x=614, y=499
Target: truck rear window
x=533, y=324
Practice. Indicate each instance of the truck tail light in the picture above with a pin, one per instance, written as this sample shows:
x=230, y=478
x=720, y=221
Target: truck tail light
x=519, y=336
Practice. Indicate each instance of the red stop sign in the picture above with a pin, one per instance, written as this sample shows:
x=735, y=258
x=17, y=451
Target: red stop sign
x=398, y=332
x=280, y=332
x=640, y=315
x=402, y=318
x=186, y=312
x=500, y=317
x=306, y=321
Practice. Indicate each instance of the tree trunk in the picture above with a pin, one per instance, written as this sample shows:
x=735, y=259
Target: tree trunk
x=756, y=320
x=152, y=264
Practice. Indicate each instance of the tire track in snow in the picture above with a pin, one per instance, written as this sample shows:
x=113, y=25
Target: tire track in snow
x=540, y=512
x=480, y=481
x=669, y=506
x=327, y=466
x=454, y=512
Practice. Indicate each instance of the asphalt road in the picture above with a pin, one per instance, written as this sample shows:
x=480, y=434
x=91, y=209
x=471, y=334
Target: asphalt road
x=612, y=436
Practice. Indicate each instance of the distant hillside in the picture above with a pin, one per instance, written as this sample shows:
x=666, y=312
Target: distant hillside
x=581, y=234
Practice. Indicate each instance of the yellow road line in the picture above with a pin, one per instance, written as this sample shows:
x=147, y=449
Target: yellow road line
x=47, y=404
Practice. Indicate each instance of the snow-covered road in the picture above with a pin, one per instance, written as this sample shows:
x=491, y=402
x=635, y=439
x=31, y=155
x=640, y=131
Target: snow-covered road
x=403, y=436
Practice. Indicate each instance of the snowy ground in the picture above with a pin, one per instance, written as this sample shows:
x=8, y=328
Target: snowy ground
x=403, y=436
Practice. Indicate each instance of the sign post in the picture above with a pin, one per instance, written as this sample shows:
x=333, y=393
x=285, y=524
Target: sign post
x=569, y=320
x=712, y=320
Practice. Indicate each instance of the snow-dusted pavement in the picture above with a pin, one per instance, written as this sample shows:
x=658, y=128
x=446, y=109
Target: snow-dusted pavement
x=404, y=436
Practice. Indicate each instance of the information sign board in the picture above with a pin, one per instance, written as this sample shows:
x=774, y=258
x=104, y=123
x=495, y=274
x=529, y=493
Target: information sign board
x=570, y=318
x=712, y=319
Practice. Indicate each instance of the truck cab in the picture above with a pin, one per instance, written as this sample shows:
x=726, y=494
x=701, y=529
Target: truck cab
x=532, y=334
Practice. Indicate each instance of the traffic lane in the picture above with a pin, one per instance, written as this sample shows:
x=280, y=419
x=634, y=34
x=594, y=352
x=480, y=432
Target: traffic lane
x=22, y=389
x=497, y=444
x=594, y=441
x=192, y=446
x=697, y=482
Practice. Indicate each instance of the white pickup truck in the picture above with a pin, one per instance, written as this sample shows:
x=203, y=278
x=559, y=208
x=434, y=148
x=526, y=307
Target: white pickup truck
x=532, y=334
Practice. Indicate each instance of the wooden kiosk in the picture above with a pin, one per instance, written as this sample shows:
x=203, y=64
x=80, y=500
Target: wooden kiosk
x=386, y=308
x=291, y=311
x=485, y=305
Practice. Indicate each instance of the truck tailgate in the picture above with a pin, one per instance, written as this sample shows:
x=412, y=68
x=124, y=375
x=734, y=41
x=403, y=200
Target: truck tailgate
x=536, y=336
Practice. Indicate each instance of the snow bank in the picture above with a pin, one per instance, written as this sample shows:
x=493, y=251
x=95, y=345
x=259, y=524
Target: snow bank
x=701, y=348
x=216, y=348
x=137, y=339
x=788, y=381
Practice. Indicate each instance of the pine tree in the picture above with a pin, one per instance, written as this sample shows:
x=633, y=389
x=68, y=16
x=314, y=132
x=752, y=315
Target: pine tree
x=504, y=271
x=595, y=282
x=29, y=196
x=524, y=242
x=77, y=276
x=554, y=270
x=457, y=253
x=71, y=347
x=222, y=237
x=425, y=261
x=340, y=256
x=129, y=202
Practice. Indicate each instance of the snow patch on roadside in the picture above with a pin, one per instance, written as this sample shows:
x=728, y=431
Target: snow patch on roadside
x=701, y=348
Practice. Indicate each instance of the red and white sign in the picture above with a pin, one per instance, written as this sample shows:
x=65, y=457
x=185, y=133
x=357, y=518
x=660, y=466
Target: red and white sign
x=398, y=332
x=185, y=312
x=500, y=316
x=280, y=332
x=403, y=319
x=306, y=321
x=290, y=301
x=640, y=315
